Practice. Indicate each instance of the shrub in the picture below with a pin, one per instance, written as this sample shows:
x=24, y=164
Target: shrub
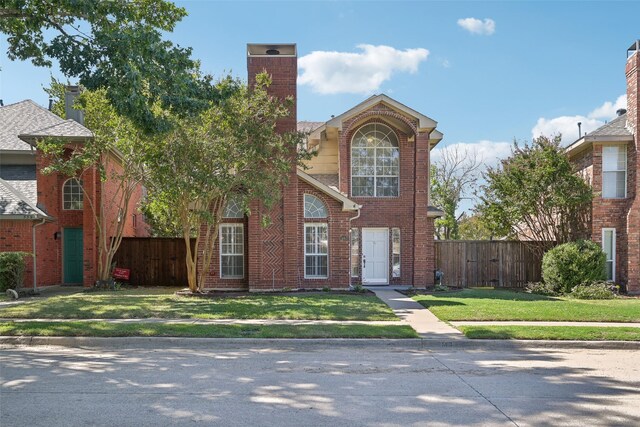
x=595, y=290
x=566, y=266
x=12, y=266
x=357, y=287
x=541, y=288
x=440, y=288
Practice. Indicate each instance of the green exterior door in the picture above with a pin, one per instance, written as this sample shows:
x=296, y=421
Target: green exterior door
x=72, y=250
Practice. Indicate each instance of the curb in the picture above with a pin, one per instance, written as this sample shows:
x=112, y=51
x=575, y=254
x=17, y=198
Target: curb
x=293, y=343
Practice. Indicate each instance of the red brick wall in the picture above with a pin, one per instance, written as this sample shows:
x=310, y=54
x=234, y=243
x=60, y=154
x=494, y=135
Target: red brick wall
x=408, y=211
x=632, y=71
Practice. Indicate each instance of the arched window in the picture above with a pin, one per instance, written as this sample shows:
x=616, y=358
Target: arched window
x=72, y=197
x=314, y=207
x=233, y=209
x=375, y=162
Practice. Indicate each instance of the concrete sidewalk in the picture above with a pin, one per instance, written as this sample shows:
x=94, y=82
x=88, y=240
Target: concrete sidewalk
x=426, y=324
x=533, y=323
x=218, y=321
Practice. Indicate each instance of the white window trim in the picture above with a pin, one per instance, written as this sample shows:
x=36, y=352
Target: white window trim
x=613, y=249
x=315, y=224
x=64, y=184
x=375, y=186
x=230, y=225
x=623, y=148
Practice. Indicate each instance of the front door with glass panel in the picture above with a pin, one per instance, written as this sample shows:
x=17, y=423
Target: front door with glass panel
x=375, y=256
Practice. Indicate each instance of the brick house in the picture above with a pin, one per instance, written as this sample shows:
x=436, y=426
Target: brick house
x=359, y=212
x=47, y=215
x=610, y=158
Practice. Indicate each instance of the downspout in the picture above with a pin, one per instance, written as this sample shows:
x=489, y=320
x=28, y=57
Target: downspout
x=33, y=245
x=350, y=249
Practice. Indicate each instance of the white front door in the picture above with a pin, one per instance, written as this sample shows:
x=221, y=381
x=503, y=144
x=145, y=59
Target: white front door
x=375, y=255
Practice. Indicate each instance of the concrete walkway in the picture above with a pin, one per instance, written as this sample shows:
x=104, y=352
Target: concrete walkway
x=426, y=324
x=530, y=323
x=217, y=321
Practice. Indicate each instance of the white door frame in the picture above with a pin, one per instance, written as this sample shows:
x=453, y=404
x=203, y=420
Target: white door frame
x=377, y=281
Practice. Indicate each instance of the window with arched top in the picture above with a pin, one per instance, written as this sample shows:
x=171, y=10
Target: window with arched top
x=314, y=207
x=375, y=162
x=72, y=196
x=233, y=209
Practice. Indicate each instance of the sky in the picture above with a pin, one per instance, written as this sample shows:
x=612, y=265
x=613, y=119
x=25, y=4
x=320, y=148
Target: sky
x=487, y=72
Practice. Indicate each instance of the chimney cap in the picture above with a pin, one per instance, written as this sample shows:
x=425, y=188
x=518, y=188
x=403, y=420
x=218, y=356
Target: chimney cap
x=272, y=49
x=634, y=48
x=621, y=111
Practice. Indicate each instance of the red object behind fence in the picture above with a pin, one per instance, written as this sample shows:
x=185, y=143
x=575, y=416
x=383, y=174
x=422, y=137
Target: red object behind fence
x=121, y=273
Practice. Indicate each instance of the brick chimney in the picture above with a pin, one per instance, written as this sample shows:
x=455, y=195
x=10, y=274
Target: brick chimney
x=633, y=165
x=280, y=61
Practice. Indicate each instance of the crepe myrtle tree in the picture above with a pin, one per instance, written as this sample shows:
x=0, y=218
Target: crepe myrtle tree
x=230, y=150
x=454, y=175
x=115, y=45
x=536, y=194
x=115, y=153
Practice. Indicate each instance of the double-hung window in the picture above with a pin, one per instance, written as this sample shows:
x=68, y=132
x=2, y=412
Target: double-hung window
x=231, y=251
x=72, y=195
x=614, y=172
x=316, y=251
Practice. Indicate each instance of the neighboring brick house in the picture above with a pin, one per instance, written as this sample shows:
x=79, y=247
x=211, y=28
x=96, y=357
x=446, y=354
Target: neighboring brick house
x=610, y=158
x=49, y=211
x=360, y=211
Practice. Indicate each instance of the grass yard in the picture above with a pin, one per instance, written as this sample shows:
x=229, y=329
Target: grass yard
x=162, y=303
x=485, y=304
x=581, y=333
x=104, y=329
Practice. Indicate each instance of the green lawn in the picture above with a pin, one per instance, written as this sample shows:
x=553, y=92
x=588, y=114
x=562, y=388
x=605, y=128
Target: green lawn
x=582, y=333
x=161, y=303
x=104, y=329
x=477, y=304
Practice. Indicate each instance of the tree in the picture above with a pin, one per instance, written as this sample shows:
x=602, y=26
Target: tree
x=536, y=194
x=453, y=176
x=471, y=227
x=230, y=150
x=116, y=152
x=115, y=45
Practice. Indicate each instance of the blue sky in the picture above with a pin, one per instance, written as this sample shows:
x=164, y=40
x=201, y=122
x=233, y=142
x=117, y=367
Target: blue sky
x=526, y=62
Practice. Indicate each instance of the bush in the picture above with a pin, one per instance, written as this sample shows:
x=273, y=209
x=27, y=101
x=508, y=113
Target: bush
x=12, y=266
x=595, y=290
x=566, y=266
x=540, y=288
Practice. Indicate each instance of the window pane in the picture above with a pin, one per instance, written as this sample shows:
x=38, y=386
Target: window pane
x=607, y=244
x=621, y=181
x=609, y=158
x=387, y=187
x=233, y=209
x=362, y=186
x=395, y=250
x=314, y=207
x=232, y=250
x=355, y=252
x=609, y=268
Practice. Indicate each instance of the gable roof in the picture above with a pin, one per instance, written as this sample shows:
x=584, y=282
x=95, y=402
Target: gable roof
x=306, y=126
x=65, y=129
x=347, y=204
x=21, y=178
x=22, y=117
x=425, y=124
x=15, y=205
x=614, y=131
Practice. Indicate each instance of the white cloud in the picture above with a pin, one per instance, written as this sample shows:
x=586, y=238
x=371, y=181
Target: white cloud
x=484, y=27
x=488, y=152
x=567, y=126
x=608, y=109
x=362, y=72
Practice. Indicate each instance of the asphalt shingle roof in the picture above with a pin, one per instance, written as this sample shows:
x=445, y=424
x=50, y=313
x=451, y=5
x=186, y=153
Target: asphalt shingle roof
x=23, y=117
x=616, y=127
x=14, y=203
x=21, y=178
x=66, y=129
x=305, y=126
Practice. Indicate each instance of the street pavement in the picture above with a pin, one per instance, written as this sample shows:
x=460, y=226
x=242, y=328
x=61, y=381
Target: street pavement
x=288, y=384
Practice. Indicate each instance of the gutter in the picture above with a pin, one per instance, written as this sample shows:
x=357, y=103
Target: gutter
x=33, y=242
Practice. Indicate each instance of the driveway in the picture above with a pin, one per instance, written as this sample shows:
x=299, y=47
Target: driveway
x=297, y=385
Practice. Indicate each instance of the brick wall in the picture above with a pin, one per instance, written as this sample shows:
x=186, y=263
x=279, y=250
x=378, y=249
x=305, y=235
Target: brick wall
x=633, y=122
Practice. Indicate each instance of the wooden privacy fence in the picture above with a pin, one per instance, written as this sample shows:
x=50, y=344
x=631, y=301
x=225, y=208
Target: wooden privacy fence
x=154, y=261
x=497, y=263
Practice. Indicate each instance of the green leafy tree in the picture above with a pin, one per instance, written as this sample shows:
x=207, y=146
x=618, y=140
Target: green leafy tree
x=116, y=153
x=230, y=150
x=471, y=227
x=453, y=177
x=536, y=194
x=116, y=45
